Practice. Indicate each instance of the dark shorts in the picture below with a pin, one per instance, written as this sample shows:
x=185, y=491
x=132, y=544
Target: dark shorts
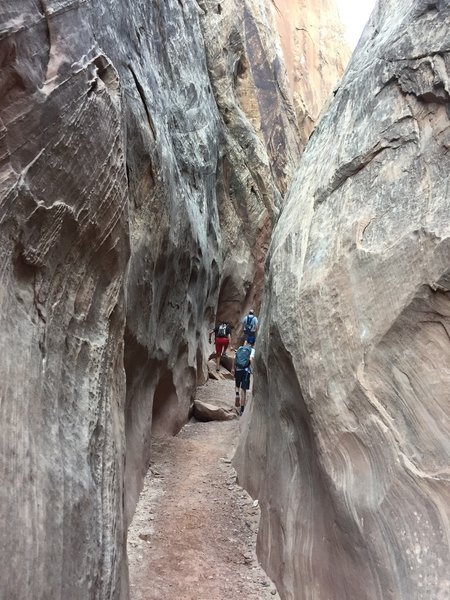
x=250, y=338
x=242, y=378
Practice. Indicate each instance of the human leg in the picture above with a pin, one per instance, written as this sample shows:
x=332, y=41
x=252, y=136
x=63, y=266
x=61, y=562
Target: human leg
x=219, y=348
x=238, y=377
x=245, y=385
x=243, y=400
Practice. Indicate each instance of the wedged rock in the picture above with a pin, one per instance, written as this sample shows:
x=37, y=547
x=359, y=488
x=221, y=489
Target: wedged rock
x=218, y=375
x=205, y=411
x=227, y=362
x=347, y=447
x=213, y=373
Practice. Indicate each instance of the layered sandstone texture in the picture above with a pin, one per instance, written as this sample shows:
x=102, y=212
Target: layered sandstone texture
x=109, y=144
x=138, y=170
x=347, y=446
x=272, y=66
x=315, y=55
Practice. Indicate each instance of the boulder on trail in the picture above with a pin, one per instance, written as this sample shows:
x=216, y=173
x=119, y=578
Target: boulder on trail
x=227, y=362
x=347, y=446
x=205, y=411
x=222, y=373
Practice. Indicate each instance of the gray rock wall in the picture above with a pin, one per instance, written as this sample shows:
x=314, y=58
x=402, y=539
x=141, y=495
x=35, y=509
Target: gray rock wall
x=64, y=249
x=109, y=147
x=144, y=151
x=347, y=446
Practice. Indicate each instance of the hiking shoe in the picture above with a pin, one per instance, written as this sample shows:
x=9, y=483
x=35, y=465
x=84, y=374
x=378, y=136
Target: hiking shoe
x=242, y=410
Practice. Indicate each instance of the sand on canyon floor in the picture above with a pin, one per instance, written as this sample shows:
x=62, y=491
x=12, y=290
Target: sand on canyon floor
x=193, y=535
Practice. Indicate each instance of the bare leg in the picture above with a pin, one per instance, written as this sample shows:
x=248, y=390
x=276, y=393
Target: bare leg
x=218, y=361
x=243, y=399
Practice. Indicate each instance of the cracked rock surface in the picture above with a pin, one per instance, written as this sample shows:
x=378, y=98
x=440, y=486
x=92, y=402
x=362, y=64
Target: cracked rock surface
x=347, y=447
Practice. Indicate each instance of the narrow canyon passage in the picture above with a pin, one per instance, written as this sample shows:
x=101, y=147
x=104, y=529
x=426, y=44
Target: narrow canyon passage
x=194, y=531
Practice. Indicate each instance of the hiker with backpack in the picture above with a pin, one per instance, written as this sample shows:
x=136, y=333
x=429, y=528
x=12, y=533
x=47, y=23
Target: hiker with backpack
x=222, y=338
x=250, y=323
x=242, y=370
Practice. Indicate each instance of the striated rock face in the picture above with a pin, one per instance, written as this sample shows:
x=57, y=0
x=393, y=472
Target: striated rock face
x=259, y=141
x=261, y=74
x=109, y=141
x=173, y=274
x=347, y=446
x=64, y=248
x=315, y=55
x=139, y=175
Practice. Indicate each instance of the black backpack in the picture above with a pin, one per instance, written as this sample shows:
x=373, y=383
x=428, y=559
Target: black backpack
x=222, y=330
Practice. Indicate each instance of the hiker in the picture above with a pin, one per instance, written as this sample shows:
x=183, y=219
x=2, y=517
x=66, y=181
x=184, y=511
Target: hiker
x=250, y=323
x=222, y=337
x=242, y=370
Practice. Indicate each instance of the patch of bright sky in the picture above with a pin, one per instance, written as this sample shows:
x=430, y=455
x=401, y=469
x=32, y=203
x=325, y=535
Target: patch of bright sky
x=354, y=15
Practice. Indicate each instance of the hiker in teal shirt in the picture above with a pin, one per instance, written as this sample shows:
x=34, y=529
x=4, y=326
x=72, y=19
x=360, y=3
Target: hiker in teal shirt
x=242, y=368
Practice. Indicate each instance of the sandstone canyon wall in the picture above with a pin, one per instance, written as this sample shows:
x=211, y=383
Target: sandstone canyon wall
x=64, y=240
x=138, y=171
x=314, y=52
x=109, y=151
x=272, y=66
x=347, y=445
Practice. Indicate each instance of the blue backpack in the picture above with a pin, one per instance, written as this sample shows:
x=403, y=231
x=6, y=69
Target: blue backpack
x=249, y=321
x=242, y=359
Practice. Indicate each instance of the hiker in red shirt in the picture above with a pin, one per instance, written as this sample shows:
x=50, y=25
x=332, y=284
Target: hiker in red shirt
x=222, y=333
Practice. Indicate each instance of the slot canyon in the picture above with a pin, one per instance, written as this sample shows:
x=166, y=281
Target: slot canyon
x=169, y=164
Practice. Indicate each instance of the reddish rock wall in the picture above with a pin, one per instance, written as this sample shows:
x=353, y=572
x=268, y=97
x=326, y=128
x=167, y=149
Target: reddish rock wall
x=315, y=55
x=261, y=72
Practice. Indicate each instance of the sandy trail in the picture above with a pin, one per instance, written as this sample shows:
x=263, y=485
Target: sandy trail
x=199, y=527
